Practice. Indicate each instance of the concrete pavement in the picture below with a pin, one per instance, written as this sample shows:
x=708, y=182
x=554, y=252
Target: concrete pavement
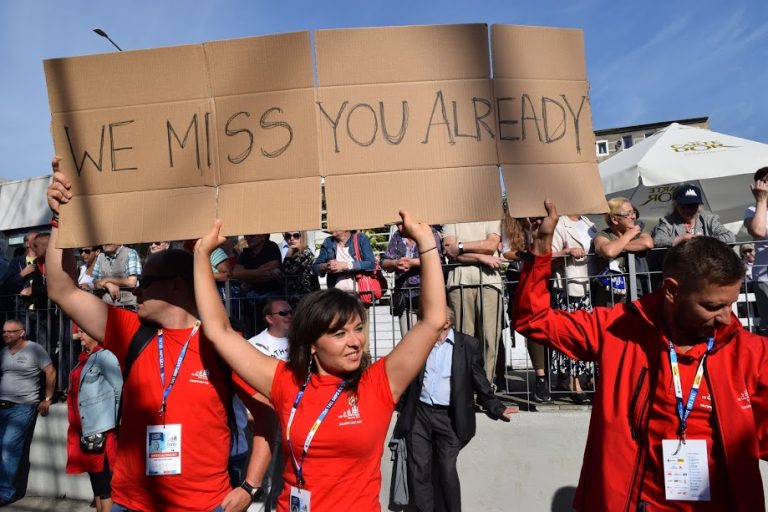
x=30, y=504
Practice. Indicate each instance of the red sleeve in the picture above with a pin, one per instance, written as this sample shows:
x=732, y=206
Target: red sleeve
x=121, y=326
x=242, y=387
x=282, y=378
x=375, y=378
x=575, y=334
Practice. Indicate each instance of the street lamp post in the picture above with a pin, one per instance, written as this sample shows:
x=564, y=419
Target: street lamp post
x=104, y=34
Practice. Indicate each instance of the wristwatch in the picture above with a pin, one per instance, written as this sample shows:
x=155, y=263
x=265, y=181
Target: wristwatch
x=461, y=247
x=255, y=492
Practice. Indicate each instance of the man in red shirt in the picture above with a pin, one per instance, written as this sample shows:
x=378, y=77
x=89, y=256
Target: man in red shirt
x=173, y=443
x=679, y=420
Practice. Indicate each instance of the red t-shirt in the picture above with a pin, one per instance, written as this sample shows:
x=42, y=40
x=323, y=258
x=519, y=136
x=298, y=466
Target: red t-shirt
x=701, y=424
x=343, y=465
x=196, y=402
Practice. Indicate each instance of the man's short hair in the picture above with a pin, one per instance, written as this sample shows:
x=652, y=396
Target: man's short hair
x=760, y=174
x=18, y=323
x=267, y=309
x=698, y=261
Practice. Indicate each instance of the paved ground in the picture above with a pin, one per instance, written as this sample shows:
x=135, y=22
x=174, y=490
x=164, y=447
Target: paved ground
x=48, y=505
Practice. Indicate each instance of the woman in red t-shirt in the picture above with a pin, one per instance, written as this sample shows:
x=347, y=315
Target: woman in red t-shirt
x=334, y=406
x=96, y=376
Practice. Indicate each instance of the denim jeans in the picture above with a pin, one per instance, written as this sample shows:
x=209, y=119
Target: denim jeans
x=17, y=423
x=119, y=508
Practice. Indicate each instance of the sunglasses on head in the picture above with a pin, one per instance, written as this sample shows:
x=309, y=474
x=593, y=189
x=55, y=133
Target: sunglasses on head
x=284, y=312
x=295, y=236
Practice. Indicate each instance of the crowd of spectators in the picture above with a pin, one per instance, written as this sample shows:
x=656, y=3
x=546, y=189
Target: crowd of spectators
x=590, y=268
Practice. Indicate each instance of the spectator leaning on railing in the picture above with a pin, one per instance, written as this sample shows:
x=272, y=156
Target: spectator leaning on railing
x=688, y=220
x=116, y=273
x=621, y=236
x=755, y=220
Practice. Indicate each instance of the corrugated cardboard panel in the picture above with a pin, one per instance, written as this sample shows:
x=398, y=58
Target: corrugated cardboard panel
x=270, y=206
x=574, y=188
x=387, y=127
x=134, y=148
x=401, y=54
x=267, y=136
x=127, y=78
x=260, y=64
x=546, y=121
x=546, y=143
x=433, y=196
x=544, y=53
x=134, y=217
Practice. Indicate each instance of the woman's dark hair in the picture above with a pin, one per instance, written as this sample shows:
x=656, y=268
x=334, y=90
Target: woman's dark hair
x=319, y=313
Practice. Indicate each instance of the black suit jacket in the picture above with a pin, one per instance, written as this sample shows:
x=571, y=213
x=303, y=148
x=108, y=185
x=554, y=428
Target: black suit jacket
x=467, y=378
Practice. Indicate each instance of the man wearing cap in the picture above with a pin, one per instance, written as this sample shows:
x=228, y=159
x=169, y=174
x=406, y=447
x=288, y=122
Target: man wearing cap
x=174, y=439
x=687, y=220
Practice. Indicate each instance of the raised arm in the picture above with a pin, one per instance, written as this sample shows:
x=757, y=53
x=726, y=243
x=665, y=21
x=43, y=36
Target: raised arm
x=88, y=311
x=254, y=367
x=576, y=334
x=409, y=356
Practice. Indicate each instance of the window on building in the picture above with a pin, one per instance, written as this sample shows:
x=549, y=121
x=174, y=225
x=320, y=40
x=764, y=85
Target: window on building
x=627, y=141
x=601, y=146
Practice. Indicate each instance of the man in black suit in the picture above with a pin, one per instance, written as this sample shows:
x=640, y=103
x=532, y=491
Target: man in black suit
x=437, y=417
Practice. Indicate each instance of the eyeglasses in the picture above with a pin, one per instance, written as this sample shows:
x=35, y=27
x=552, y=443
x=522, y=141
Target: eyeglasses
x=146, y=281
x=627, y=215
x=284, y=312
x=295, y=236
x=157, y=243
x=747, y=251
x=86, y=251
x=11, y=331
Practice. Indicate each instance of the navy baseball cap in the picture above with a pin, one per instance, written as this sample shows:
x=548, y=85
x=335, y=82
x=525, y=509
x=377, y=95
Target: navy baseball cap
x=687, y=194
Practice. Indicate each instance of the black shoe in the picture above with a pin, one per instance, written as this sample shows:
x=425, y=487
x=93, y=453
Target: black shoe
x=581, y=398
x=541, y=390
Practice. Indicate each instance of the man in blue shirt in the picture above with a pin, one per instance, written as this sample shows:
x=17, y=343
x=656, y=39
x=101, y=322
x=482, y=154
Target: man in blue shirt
x=437, y=417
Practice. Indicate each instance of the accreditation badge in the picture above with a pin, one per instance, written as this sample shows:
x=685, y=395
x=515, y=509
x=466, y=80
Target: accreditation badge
x=686, y=469
x=163, y=450
x=299, y=500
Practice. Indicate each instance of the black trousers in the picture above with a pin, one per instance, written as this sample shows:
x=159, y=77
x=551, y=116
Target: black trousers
x=432, y=452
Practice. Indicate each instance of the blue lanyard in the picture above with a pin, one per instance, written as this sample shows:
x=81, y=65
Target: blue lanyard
x=683, y=413
x=160, y=345
x=299, y=466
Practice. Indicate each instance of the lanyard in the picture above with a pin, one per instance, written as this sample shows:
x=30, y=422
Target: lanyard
x=160, y=345
x=684, y=413
x=298, y=467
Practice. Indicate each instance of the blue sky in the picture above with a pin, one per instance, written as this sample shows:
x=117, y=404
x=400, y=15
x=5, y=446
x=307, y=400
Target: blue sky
x=660, y=62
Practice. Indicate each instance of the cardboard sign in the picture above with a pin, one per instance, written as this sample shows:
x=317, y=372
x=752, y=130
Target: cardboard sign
x=159, y=142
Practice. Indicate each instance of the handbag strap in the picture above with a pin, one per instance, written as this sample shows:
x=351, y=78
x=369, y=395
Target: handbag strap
x=356, y=244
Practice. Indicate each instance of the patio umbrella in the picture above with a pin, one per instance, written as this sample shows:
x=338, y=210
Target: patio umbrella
x=720, y=165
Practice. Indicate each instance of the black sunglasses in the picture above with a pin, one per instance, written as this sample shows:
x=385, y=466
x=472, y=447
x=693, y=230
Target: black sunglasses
x=147, y=281
x=284, y=312
x=86, y=251
x=295, y=236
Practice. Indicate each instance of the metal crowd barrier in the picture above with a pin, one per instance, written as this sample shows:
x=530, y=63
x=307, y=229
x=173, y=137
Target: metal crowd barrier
x=515, y=375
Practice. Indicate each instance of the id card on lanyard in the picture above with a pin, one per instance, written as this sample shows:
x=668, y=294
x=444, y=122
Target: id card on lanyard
x=686, y=464
x=300, y=496
x=163, y=441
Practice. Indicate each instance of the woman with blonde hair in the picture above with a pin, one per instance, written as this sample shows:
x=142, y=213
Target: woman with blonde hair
x=611, y=245
x=296, y=268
